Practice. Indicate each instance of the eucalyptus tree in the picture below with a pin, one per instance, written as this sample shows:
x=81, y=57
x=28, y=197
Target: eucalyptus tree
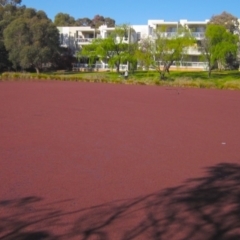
x=8, y=12
x=99, y=20
x=31, y=40
x=64, y=19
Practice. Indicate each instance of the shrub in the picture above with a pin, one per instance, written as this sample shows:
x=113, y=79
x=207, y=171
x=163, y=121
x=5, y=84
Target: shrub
x=5, y=75
x=206, y=84
x=232, y=85
x=157, y=82
x=141, y=83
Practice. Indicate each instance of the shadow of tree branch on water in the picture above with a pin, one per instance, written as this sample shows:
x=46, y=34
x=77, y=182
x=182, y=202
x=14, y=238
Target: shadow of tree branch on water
x=206, y=208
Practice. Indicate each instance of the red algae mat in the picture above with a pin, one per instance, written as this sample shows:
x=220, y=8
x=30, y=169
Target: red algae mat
x=105, y=161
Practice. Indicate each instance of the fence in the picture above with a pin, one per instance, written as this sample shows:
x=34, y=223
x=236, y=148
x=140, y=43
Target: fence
x=105, y=67
x=96, y=67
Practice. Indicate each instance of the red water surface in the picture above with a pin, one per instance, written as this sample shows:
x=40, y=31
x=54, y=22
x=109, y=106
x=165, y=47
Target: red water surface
x=68, y=146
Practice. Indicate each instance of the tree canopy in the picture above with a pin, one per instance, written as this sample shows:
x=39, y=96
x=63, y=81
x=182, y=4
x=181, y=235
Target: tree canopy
x=217, y=45
x=63, y=19
x=162, y=51
x=31, y=39
x=83, y=22
x=113, y=49
x=227, y=20
x=99, y=20
x=8, y=13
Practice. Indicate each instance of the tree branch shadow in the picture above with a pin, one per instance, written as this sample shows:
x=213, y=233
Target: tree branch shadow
x=202, y=208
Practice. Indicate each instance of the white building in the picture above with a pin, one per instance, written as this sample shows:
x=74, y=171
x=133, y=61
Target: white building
x=197, y=28
x=76, y=37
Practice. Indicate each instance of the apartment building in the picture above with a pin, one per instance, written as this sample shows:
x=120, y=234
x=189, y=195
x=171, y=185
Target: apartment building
x=192, y=57
x=76, y=37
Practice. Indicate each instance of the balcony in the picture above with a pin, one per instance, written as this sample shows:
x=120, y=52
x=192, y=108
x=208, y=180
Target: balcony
x=96, y=67
x=185, y=64
x=193, y=51
x=198, y=35
x=164, y=34
x=82, y=41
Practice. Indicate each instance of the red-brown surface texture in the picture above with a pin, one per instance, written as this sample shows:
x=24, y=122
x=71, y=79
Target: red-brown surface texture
x=66, y=147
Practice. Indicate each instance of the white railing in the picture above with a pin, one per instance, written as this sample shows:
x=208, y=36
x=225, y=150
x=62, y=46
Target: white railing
x=96, y=67
x=185, y=64
x=194, y=64
x=84, y=40
x=198, y=35
x=193, y=51
x=164, y=34
x=123, y=67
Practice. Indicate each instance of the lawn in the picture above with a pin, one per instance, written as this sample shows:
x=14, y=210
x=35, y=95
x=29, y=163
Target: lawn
x=218, y=80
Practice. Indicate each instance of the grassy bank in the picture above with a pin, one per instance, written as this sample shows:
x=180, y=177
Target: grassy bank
x=218, y=80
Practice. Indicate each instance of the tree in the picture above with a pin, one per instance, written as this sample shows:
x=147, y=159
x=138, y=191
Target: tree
x=64, y=19
x=99, y=20
x=110, y=22
x=227, y=20
x=4, y=62
x=218, y=44
x=231, y=23
x=8, y=13
x=162, y=51
x=145, y=53
x=112, y=49
x=31, y=40
x=83, y=22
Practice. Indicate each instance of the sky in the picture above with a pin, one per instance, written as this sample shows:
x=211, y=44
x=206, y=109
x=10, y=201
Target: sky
x=137, y=11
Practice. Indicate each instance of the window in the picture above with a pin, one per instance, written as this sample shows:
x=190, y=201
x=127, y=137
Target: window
x=150, y=31
x=138, y=36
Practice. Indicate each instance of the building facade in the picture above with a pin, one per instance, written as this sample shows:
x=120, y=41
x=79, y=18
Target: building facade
x=76, y=37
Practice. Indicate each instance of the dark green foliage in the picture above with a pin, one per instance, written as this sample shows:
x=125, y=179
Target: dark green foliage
x=64, y=19
x=5, y=64
x=31, y=39
x=8, y=13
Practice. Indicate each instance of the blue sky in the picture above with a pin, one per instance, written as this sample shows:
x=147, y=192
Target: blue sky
x=135, y=11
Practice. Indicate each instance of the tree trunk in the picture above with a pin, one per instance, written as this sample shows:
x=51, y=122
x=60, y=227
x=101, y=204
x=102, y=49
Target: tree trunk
x=209, y=70
x=166, y=68
x=209, y=73
x=162, y=74
x=37, y=70
x=117, y=66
